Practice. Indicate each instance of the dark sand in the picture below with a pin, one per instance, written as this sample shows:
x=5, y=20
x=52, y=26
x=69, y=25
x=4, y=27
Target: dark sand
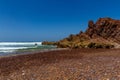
x=77, y=64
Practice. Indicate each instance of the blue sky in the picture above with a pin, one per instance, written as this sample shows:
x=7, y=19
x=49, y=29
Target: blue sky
x=39, y=20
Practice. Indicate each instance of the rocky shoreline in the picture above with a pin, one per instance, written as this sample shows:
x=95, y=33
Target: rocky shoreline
x=70, y=64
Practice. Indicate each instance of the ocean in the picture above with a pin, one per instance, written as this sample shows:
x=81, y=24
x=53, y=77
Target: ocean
x=7, y=48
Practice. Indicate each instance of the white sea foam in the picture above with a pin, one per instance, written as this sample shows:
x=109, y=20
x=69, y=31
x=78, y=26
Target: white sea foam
x=12, y=46
x=19, y=43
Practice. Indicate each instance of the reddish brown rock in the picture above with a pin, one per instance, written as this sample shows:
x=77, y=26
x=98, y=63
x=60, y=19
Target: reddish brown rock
x=106, y=28
x=105, y=31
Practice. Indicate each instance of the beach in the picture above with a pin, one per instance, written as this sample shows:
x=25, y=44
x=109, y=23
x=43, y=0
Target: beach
x=69, y=64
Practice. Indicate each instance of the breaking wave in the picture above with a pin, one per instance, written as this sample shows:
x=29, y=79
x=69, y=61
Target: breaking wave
x=12, y=46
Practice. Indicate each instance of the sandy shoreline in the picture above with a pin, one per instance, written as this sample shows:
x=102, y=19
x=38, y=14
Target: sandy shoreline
x=77, y=64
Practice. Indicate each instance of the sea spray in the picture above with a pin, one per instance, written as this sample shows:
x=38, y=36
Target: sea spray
x=11, y=47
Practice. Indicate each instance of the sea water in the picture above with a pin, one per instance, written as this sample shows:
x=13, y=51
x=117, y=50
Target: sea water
x=7, y=48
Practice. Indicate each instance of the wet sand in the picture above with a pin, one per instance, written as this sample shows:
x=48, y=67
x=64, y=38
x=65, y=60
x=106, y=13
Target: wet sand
x=76, y=64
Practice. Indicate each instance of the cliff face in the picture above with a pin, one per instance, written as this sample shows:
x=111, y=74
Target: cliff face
x=104, y=33
x=106, y=28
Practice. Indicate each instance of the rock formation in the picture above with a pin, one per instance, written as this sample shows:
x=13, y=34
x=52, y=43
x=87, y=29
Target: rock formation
x=105, y=32
x=106, y=28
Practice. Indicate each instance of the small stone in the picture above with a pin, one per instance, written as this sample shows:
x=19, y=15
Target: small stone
x=118, y=76
x=23, y=74
x=118, y=61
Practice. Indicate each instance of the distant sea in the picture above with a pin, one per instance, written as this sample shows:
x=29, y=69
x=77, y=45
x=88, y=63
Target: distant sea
x=7, y=48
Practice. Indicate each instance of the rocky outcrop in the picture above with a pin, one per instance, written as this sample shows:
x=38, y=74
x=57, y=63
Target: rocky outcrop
x=105, y=33
x=106, y=28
